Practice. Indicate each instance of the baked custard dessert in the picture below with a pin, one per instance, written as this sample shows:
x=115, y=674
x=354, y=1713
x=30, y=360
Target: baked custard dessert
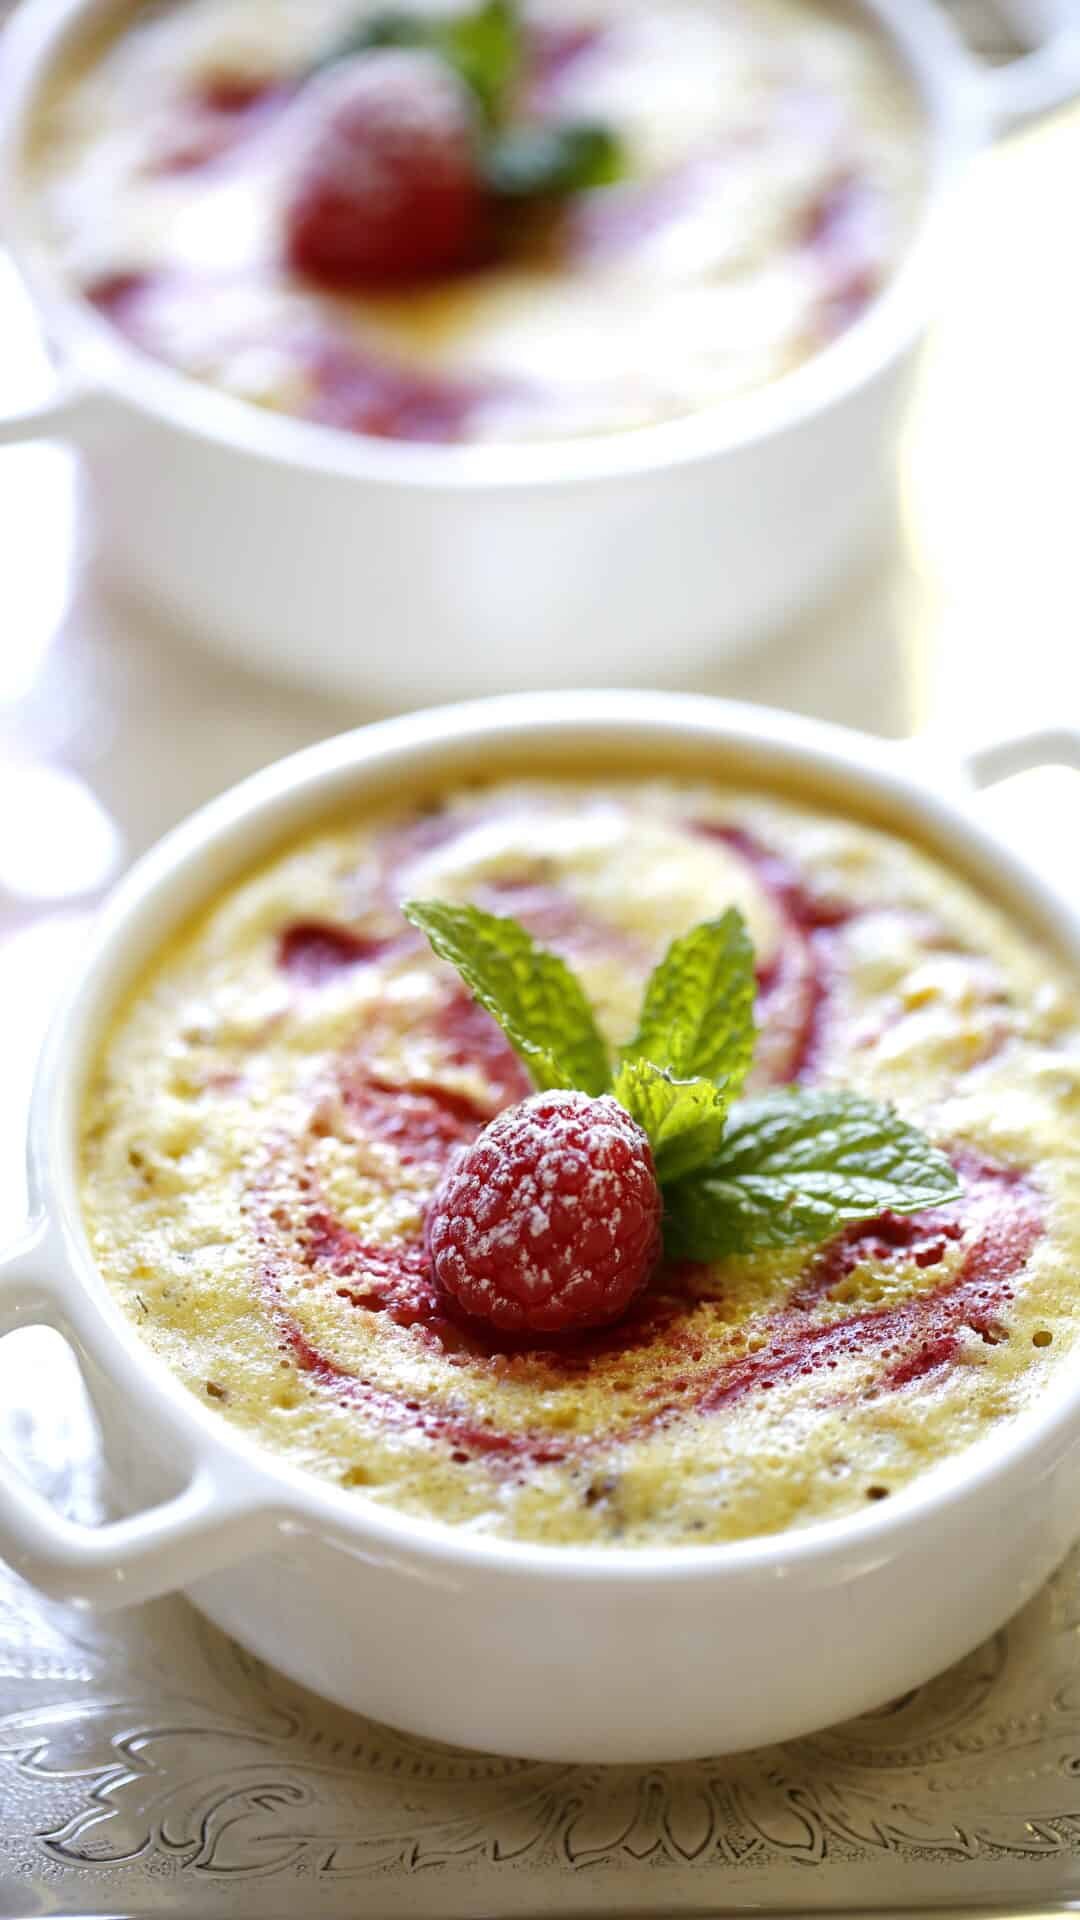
x=292, y=1091
x=495, y=220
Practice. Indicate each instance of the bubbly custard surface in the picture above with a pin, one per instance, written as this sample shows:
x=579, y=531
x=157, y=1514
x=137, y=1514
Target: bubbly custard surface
x=274, y=1105
x=775, y=166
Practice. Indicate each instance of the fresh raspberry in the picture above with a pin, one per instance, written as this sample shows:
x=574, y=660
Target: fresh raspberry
x=386, y=188
x=551, y=1219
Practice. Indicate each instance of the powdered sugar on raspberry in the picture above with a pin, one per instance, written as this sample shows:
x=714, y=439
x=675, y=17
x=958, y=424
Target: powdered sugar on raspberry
x=384, y=180
x=551, y=1219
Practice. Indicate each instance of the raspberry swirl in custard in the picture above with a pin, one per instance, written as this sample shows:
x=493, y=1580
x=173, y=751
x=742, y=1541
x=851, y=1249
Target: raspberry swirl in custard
x=286, y=1089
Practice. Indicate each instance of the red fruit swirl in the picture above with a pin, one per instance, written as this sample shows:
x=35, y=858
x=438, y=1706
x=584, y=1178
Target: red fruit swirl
x=678, y=1352
x=672, y=1355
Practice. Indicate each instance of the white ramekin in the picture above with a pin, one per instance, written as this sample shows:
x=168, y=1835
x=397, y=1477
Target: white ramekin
x=407, y=573
x=559, y=1653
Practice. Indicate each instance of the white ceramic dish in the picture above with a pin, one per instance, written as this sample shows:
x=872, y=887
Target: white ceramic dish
x=406, y=573
x=563, y=1653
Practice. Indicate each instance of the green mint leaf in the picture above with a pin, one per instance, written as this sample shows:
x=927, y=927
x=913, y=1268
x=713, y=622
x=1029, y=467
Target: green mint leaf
x=538, y=1002
x=537, y=162
x=483, y=45
x=684, y=1119
x=698, y=1014
x=796, y=1166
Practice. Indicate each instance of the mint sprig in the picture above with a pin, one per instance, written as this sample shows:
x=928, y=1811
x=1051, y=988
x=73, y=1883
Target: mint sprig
x=482, y=45
x=541, y=162
x=796, y=1166
x=788, y=1168
x=697, y=1016
x=684, y=1119
x=539, y=1004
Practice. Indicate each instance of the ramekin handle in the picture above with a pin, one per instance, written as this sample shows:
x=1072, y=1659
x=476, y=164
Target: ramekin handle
x=994, y=760
x=208, y=1525
x=59, y=414
x=1039, y=81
